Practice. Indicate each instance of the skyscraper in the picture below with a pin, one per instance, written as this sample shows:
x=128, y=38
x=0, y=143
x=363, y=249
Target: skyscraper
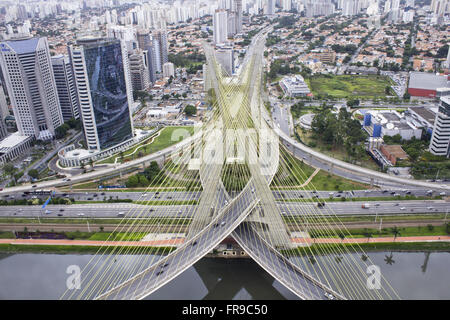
x=31, y=86
x=3, y=113
x=440, y=139
x=238, y=8
x=104, y=90
x=160, y=36
x=65, y=84
x=139, y=71
x=220, y=24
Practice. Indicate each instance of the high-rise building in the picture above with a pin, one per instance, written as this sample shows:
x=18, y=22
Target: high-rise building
x=220, y=25
x=152, y=55
x=168, y=69
x=238, y=9
x=102, y=77
x=3, y=113
x=350, y=7
x=448, y=56
x=143, y=39
x=269, y=7
x=139, y=72
x=31, y=86
x=440, y=139
x=225, y=57
x=231, y=21
x=65, y=84
x=160, y=36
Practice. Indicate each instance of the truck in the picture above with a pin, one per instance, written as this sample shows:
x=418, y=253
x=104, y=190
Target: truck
x=365, y=206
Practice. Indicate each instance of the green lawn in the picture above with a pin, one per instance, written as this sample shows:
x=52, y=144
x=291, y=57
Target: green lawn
x=161, y=142
x=346, y=86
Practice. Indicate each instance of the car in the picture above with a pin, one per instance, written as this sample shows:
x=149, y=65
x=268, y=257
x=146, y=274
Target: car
x=89, y=198
x=215, y=225
x=144, y=195
x=102, y=193
x=442, y=193
x=64, y=194
x=80, y=214
x=160, y=272
x=222, y=223
x=194, y=243
x=402, y=208
x=397, y=204
x=95, y=195
x=180, y=212
x=60, y=215
x=329, y=296
x=61, y=210
x=34, y=186
x=47, y=211
x=151, y=210
x=377, y=204
x=121, y=214
x=430, y=208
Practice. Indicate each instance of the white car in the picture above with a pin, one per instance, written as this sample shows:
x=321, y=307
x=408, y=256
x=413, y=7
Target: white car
x=442, y=193
x=81, y=214
x=430, y=208
x=402, y=208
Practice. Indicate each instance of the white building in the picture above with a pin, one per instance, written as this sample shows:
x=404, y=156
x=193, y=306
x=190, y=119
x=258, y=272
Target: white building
x=225, y=57
x=65, y=84
x=440, y=140
x=139, y=72
x=294, y=86
x=168, y=70
x=220, y=25
x=14, y=146
x=4, y=112
x=31, y=86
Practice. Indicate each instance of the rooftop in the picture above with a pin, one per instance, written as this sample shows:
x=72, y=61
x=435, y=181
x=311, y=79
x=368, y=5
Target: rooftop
x=22, y=46
x=428, y=81
x=425, y=113
x=12, y=140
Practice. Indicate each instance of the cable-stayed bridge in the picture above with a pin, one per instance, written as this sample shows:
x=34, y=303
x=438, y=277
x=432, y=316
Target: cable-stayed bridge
x=234, y=152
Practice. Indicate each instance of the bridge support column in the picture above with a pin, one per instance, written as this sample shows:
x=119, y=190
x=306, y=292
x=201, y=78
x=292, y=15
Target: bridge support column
x=371, y=182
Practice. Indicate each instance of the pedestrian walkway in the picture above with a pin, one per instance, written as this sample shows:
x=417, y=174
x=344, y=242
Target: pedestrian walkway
x=178, y=241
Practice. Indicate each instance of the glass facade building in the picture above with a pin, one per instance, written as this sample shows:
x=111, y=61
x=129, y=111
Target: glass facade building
x=105, y=108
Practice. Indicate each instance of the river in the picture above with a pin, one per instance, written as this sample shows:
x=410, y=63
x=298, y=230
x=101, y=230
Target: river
x=414, y=275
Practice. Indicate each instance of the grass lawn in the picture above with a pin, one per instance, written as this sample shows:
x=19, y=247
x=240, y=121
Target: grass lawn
x=346, y=86
x=385, y=232
x=161, y=142
x=299, y=172
x=61, y=249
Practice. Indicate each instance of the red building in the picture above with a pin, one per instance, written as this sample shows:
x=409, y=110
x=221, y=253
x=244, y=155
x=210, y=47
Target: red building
x=424, y=84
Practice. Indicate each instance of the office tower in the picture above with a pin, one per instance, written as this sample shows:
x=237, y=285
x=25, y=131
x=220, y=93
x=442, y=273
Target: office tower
x=225, y=57
x=440, y=139
x=350, y=7
x=152, y=61
x=102, y=77
x=65, y=85
x=160, y=36
x=269, y=7
x=287, y=5
x=31, y=86
x=238, y=8
x=387, y=6
x=139, y=72
x=3, y=113
x=157, y=55
x=143, y=39
x=231, y=21
x=168, y=69
x=220, y=25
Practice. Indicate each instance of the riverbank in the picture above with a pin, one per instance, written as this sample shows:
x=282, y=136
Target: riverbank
x=316, y=246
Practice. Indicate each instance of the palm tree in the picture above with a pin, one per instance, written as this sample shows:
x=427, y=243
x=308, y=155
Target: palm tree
x=342, y=236
x=364, y=257
x=91, y=163
x=338, y=259
x=312, y=260
x=367, y=234
x=389, y=260
x=395, y=231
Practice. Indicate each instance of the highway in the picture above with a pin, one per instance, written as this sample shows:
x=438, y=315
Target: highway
x=195, y=195
x=111, y=210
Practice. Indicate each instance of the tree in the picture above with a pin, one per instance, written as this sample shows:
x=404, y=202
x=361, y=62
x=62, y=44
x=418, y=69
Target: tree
x=389, y=259
x=190, y=110
x=9, y=169
x=33, y=173
x=132, y=182
x=342, y=236
x=395, y=231
x=367, y=234
x=152, y=171
x=91, y=163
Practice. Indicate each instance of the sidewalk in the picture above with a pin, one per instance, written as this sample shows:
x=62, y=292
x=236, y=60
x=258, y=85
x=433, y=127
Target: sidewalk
x=178, y=241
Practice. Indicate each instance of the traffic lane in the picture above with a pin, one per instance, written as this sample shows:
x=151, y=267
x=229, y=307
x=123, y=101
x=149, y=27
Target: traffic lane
x=187, y=211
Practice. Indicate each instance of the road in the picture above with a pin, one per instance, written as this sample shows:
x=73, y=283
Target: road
x=111, y=210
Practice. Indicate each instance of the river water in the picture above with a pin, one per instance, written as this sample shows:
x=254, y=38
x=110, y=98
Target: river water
x=413, y=275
